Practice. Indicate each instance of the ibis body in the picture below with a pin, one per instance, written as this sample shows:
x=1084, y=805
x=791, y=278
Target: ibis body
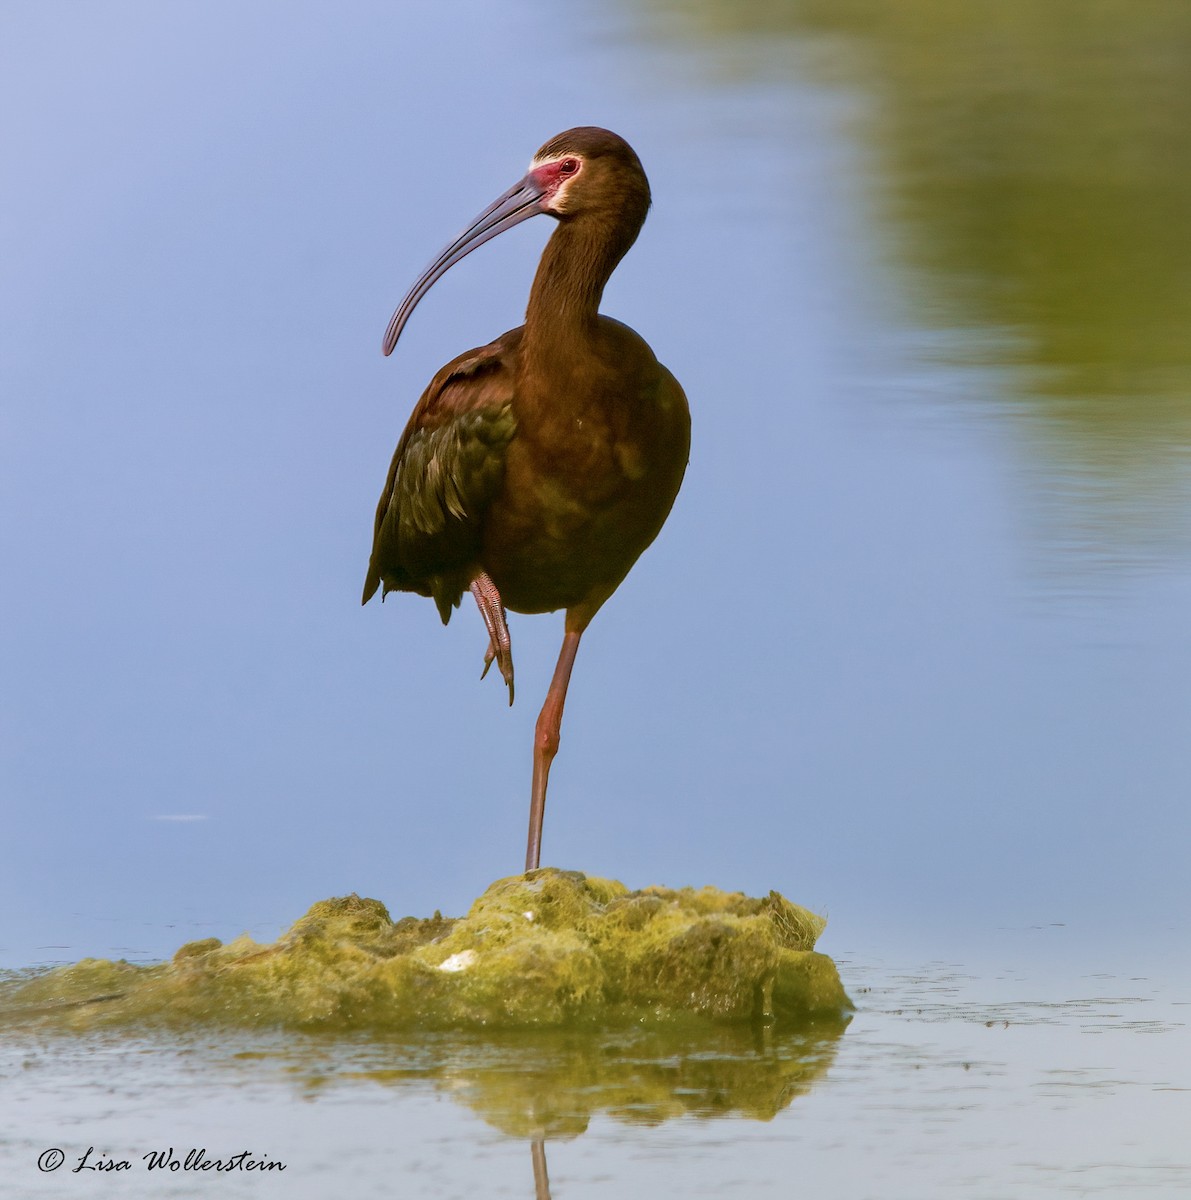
x=535, y=470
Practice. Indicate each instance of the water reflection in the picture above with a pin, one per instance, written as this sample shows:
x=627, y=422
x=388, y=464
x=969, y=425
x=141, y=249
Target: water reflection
x=951, y=1081
x=541, y=1178
x=531, y=1088
x=553, y=1084
x=1031, y=172
x=550, y=1086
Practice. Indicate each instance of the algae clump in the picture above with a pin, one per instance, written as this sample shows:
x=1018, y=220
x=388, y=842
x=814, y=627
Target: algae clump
x=547, y=949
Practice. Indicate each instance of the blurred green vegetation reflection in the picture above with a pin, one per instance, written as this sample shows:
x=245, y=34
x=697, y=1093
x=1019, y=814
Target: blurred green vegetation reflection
x=551, y=1084
x=1032, y=163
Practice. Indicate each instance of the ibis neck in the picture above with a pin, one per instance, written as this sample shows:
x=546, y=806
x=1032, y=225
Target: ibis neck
x=564, y=301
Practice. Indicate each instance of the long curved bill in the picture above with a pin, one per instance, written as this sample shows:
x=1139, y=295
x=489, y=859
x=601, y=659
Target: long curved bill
x=519, y=203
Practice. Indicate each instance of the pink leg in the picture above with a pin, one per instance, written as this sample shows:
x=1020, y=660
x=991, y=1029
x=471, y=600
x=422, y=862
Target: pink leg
x=545, y=743
x=500, y=644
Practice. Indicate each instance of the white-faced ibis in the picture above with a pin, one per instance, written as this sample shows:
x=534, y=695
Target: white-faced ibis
x=535, y=470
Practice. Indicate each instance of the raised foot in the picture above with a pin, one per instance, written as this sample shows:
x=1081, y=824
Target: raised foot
x=505, y=664
x=500, y=644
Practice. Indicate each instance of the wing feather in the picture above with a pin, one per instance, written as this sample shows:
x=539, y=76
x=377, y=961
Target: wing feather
x=448, y=467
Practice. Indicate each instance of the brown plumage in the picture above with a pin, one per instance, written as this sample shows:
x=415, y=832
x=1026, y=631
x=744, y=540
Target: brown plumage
x=535, y=470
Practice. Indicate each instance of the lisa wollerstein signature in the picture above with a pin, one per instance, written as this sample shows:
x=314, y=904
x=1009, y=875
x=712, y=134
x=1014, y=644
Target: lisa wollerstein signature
x=169, y=1159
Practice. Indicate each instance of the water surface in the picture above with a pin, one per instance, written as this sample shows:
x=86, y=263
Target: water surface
x=945, y=1083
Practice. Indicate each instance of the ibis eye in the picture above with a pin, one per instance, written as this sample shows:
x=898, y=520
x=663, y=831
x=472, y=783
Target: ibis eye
x=568, y=166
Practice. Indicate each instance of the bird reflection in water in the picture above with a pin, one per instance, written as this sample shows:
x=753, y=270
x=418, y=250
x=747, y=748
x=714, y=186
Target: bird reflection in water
x=549, y=1085
x=541, y=1180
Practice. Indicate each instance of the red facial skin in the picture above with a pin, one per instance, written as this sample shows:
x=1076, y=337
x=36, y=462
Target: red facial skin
x=550, y=177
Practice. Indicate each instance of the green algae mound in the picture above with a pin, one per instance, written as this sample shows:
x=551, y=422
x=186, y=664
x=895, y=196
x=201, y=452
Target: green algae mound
x=547, y=949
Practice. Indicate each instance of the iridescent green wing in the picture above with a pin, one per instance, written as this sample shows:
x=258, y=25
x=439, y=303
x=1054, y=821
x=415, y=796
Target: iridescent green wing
x=449, y=465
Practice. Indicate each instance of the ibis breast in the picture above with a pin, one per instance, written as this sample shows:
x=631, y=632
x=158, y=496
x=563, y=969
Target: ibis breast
x=601, y=447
